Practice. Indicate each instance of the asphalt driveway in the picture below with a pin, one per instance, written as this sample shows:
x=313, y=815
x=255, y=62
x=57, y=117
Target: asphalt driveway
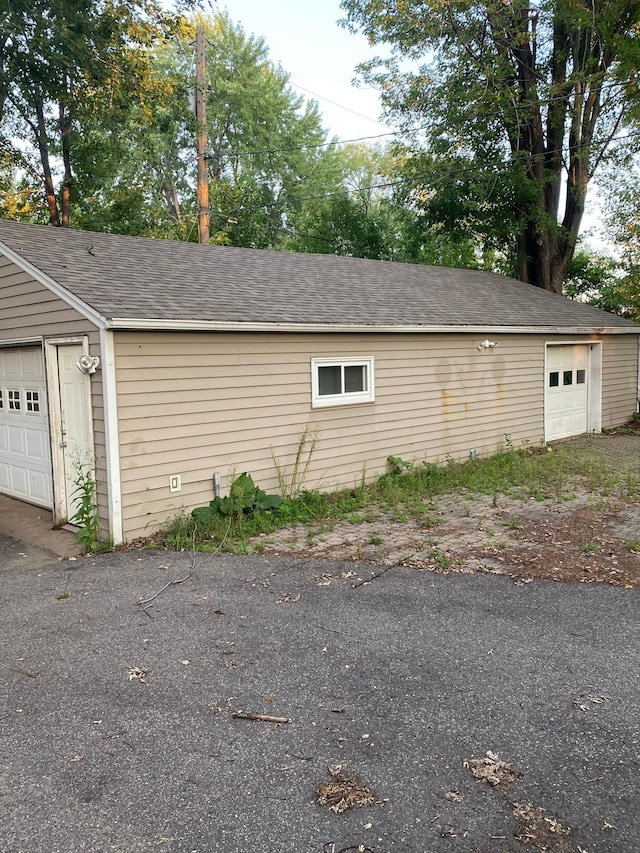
x=117, y=730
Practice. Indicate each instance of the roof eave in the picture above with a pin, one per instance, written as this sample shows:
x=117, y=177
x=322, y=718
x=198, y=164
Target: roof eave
x=61, y=292
x=159, y=324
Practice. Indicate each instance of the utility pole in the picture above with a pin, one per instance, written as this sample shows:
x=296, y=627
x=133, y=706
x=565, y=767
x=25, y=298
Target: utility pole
x=201, y=119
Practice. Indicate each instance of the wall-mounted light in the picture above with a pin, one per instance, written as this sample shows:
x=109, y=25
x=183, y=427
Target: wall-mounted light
x=88, y=363
x=487, y=344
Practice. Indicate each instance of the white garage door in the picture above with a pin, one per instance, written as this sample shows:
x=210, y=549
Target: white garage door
x=567, y=392
x=25, y=460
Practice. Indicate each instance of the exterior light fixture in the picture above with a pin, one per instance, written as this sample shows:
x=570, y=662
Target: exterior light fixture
x=88, y=363
x=487, y=344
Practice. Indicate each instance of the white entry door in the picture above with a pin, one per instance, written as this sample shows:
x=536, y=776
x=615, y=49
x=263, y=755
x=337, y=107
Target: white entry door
x=75, y=420
x=567, y=391
x=25, y=456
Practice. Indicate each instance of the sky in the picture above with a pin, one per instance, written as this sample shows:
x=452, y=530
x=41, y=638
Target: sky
x=320, y=57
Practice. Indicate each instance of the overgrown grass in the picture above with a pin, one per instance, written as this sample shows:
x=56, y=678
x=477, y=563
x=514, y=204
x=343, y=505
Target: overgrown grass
x=408, y=492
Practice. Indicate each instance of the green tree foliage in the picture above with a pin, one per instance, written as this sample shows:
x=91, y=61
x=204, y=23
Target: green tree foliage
x=267, y=150
x=594, y=279
x=18, y=199
x=372, y=214
x=507, y=100
x=623, y=216
x=135, y=164
x=62, y=64
x=123, y=158
x=353, y=216
x=605, y=283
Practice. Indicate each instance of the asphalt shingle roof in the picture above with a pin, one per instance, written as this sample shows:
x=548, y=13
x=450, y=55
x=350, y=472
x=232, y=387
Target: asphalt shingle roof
x=137, y=278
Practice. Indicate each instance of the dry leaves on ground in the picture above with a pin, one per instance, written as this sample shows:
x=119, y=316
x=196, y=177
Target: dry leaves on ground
x=345, y=791
x=492, y=770
x=538, y=830
x=137, y=673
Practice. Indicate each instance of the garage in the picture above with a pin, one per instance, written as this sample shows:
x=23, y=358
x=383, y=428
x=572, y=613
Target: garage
x=572, y=393
x=25, y=460
x=167, y=362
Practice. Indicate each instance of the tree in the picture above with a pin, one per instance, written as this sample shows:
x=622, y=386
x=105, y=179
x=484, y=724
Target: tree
x=267, y=150
x=595, y=279
x=520, y=103
x=267, y=146
x=135, y=163
x=370, y=214
x=623, y=218
x=62, y=61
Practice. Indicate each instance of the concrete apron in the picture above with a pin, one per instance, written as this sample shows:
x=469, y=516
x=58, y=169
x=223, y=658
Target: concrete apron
x=32, y=526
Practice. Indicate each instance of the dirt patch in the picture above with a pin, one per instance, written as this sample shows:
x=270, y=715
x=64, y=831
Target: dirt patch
x=580, y=537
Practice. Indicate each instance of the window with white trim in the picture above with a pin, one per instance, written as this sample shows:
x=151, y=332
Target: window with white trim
x=32, y=400
x=14, y=400
x=342, y=381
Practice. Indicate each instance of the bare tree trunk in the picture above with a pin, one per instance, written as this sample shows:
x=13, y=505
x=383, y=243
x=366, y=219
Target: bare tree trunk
x=172, y=200
x=4, y=84
x=544, y=256
x=43, y=147
x=67, y=182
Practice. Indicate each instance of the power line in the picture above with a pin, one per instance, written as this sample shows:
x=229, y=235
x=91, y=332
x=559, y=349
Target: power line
x=333, y=142
x=444, y=175
x=336, y=104
x=399, y=133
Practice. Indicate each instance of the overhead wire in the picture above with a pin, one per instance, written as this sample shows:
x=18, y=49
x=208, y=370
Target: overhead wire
x=336, y=104
x=399, y=132
x=443, y=175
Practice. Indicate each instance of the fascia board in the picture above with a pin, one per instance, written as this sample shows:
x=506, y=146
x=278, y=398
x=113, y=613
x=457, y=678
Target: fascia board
x=158, y=324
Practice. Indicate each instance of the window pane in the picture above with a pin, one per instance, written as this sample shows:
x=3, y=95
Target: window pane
x=329, y=380
x=33, y=401
x=581, y=377
x=554, y=379
x=567, y=377
x=355, y=378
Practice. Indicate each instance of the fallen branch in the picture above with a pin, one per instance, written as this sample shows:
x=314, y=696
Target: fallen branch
x=264, y=718
x=373, y=577
x=144, y=601
x=22, y=672
x=361, y=848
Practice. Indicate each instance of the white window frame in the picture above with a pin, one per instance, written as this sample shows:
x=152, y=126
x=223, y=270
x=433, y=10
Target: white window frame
x=27, y=402
x=345, y=398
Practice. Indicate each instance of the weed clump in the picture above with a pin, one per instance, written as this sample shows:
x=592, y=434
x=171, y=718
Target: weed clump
x=405, y=491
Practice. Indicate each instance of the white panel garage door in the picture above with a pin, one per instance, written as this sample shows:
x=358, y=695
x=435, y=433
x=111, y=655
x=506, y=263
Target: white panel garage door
x=25, y=460
x=566, y=394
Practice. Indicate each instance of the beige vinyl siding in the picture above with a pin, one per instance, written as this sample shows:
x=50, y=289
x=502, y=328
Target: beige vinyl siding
x=30, y=310
x=192, y=404
x=619, y=379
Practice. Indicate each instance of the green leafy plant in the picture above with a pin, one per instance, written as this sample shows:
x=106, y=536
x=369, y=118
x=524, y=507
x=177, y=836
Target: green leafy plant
x=244, y=498
x=397, y=466
x=86, y=517
x=442, y=562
